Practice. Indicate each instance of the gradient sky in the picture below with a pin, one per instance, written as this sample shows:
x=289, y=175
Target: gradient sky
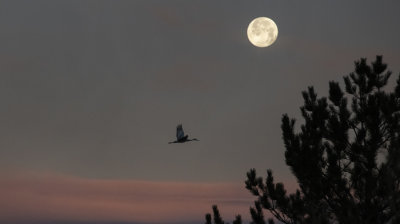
x=91, y=93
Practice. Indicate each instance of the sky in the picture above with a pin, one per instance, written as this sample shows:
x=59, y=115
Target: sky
x=91, y=93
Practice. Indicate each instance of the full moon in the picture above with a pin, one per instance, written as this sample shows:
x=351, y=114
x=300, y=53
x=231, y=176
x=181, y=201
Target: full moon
x=262, y=32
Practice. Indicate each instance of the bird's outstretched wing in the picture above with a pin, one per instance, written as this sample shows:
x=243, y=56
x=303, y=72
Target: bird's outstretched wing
x=179, y=132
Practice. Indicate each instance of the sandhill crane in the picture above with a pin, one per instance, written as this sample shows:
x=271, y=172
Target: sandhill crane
x=181, y=137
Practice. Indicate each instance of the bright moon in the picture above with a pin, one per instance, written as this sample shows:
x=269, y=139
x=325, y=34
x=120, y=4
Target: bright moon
x=262, y=32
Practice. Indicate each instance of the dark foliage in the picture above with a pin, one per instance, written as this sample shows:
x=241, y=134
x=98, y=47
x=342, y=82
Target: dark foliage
x=238, y=220
x=346, y=156
x=218, y=219
x=217, y=216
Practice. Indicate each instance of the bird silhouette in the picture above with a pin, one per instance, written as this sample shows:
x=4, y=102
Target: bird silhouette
x=181, y=137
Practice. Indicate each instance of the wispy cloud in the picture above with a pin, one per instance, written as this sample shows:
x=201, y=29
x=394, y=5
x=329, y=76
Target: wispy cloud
x=44, y=197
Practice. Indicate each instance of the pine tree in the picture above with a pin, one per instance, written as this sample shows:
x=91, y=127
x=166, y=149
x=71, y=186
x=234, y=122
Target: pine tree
x=218, y=218
x=346, y=156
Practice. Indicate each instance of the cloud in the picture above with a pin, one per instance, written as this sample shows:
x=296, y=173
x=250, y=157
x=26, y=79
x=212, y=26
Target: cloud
x=45, y=197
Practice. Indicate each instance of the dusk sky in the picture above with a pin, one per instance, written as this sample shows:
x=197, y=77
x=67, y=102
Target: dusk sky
x=91, y=93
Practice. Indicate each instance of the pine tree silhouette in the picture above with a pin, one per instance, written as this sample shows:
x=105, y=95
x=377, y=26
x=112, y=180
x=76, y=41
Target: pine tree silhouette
x=346, y=156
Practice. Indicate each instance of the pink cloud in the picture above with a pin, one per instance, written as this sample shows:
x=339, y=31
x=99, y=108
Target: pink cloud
x=44, y=197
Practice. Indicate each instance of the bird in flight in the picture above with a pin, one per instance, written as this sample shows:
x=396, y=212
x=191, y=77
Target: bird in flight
x=181, y=137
